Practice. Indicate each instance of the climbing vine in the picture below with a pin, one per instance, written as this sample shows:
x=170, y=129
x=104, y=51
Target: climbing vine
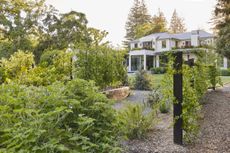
x=195, y=84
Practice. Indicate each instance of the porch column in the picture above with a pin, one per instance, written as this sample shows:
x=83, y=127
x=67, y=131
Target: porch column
x=225, y=63
x=144, y=61
x=157, y=61
x=154, y=58
x=129, y=69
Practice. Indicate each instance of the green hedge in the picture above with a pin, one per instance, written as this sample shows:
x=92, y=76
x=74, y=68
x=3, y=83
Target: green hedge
x=158, y=70
x=225, y=72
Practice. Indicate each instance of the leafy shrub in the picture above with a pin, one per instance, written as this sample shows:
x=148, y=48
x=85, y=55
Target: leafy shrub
x=57, y=118
x=48, y=56
x=191, y=106
x=143, y=80
x=101, y=64
x=158, y=70
x=136, y=122
x=154, y=97
x=17, y=66
x=131, y=82
x=20, y=68
x=213, y=76
x=225, y=72
x=166, y=88
x=165, y=107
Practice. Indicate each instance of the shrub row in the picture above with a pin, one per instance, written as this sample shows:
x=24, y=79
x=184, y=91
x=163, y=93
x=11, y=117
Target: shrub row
x=225, y=72
x=158, y=70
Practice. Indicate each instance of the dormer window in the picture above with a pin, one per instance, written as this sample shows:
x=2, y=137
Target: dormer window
x=135, y=45
x=147, y=45
x=163, y=43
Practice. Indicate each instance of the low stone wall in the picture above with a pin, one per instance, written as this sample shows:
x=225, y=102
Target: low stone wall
x=118, y=93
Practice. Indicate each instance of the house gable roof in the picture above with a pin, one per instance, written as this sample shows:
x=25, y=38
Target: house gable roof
x=179, y=36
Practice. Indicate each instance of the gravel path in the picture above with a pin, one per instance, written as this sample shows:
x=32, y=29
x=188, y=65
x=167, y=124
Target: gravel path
x=214, y=132
x=158, y=140
x=215, y=127
x=136, y=97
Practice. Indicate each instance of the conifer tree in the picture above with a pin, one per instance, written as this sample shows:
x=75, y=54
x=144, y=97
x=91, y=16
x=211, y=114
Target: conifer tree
x=177, y=24
x=138, y=15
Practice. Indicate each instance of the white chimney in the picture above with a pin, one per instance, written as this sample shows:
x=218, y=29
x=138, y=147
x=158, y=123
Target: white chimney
x=195, y=38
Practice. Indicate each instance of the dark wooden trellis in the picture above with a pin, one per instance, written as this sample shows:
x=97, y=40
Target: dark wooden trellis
x=178, y=94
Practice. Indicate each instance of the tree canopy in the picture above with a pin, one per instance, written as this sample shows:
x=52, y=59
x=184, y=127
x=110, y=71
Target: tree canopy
x=158, y=23
x=222, y=21
x=36, y=27
x=177, y=24
x=138, y=16
x=140, y=23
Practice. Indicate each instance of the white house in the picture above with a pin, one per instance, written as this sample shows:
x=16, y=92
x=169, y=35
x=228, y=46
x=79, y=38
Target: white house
x=145, y=52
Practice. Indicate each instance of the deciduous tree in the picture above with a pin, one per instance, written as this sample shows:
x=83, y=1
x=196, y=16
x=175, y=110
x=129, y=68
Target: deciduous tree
x=222, y=21
x=157, y=24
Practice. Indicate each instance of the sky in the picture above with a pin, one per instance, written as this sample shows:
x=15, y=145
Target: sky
x=111, y=15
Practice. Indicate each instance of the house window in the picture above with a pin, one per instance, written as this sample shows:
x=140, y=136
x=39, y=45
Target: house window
x=187, y=43
x=163, y=43
x=147, y=45
x=135, y=45
x=176, y=44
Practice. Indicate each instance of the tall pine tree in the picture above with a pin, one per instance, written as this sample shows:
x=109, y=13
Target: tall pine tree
x=222, y=21
x=177, y=24
x=138, y=16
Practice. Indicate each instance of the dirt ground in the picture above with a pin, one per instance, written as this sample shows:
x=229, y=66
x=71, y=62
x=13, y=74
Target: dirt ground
x=214, y=134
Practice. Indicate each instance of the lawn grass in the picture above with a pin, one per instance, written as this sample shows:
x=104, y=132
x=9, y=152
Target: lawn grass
x=225, y=79
x=158, y=77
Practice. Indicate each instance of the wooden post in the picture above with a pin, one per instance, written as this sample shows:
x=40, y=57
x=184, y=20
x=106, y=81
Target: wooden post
x=177, y=107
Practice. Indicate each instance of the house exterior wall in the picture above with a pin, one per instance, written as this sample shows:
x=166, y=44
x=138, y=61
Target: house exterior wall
x=172, y=43
x=207, y=41
x=160, y=47
x=182, y=40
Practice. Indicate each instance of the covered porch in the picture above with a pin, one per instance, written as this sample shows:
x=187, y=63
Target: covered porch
x=143, y=59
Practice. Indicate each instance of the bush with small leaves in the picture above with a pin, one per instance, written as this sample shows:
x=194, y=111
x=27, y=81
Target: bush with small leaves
x=136, y=121
x=143, y=80
x=165, y=107
x=154, y=96
x=214, y=76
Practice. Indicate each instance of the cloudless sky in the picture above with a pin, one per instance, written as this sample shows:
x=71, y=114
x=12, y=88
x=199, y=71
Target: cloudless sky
x=111, y=15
